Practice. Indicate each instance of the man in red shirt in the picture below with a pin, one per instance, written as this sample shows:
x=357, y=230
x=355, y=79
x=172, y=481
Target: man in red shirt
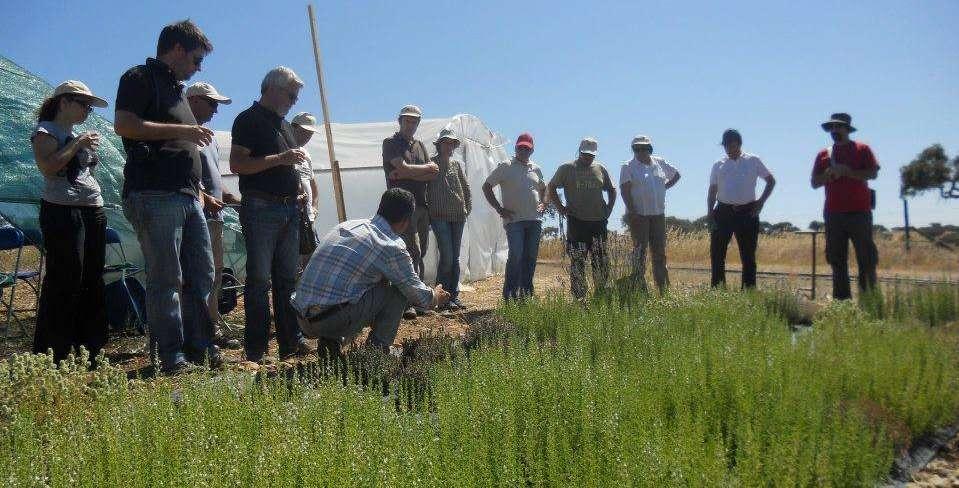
x=844, y=170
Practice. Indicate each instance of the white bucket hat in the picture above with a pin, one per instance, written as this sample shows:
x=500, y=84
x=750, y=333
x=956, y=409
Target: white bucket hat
x=447, y=134
x=642, y=140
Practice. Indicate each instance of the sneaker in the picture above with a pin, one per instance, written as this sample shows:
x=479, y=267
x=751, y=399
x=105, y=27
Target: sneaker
x=420, y=312
x=182, y=367
x=409, y=314
x=227, y=342
x=303, y=349
x=457, y=304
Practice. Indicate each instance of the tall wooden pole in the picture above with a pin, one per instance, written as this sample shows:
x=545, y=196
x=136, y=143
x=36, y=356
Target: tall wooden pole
x=334, y=164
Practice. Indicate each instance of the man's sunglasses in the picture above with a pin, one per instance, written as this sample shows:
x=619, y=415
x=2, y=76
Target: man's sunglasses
x=83, y=103
x=197, y=61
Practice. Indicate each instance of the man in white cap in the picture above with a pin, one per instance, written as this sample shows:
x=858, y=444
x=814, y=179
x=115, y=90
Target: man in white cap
x=304, y=126
x=204, y=101
x=583, y=182
x=644, y=181
x=407, y=165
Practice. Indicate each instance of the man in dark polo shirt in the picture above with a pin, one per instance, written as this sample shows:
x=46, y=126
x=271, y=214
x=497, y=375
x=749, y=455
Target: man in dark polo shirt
x=162, y=198
x=265, y=155
x=844, y=168
x=407, y=166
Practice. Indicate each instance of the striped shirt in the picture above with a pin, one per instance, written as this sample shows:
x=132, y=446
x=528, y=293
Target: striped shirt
x=354, y=257
x=449, y=194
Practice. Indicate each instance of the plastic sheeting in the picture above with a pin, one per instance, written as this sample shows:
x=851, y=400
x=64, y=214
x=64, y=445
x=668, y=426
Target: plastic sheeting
x=359, y=151
x=21, y=182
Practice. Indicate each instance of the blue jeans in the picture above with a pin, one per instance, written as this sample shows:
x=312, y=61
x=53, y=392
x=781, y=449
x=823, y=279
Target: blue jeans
x=523, y=241
x=178, y=261
x=272, y=234
x=449, y=238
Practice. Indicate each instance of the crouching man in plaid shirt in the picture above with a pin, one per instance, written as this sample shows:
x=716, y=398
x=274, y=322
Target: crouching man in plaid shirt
x=361, y=274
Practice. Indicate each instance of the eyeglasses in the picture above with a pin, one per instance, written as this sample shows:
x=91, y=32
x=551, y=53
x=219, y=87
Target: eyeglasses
x=83, y=103
x=197, y=61
x=211, y=102
x=292, y=95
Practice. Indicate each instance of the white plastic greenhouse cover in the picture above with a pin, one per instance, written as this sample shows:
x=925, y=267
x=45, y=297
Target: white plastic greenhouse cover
x=359, y=149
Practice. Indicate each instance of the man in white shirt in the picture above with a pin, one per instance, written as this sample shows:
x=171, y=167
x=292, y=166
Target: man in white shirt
x=732, y=183
x=644, y=181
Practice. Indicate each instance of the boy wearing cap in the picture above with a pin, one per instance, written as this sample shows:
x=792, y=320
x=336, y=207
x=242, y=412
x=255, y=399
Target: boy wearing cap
x=304, y=126
x=583, y=182
x=406, y=165
x=161, y=196
x=204, y=101
x=523, y=190
x=644, y=181
x=844, y=170
x=732, y=183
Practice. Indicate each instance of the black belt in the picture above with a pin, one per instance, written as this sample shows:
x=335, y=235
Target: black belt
x=328, y=311
x=746, y=207
x=269, y=197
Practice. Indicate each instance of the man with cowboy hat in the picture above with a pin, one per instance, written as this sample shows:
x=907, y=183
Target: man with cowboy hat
x=844, y=168
x=407, y=165
x=583, y=182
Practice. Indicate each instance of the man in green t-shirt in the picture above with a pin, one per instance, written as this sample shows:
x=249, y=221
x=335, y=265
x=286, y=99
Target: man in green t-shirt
x=583, y=182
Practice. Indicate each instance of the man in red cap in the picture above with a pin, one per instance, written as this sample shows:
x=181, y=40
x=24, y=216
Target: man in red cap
x=523, y=189
x=844, y=168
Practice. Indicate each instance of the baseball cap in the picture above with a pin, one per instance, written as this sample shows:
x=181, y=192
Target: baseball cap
x=641, y=140
x=78, y=88
x=525, y=140
x=305, y=120
x=411, y=111
x=588, y=146
x=206, y=90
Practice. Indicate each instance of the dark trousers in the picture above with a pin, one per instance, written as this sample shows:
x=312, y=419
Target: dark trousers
x=586, y=237
x=842, y=227
x=730, y=220
x=72, y=309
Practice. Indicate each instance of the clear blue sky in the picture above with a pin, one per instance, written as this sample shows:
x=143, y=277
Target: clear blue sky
x=678, y=71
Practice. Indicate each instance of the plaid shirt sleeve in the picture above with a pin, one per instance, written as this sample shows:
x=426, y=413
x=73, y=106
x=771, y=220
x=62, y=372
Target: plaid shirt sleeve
x=397, y=266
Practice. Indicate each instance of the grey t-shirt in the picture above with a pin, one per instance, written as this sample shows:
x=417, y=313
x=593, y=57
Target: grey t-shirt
x=84, y=191
x=212, y=180
x=520, y=186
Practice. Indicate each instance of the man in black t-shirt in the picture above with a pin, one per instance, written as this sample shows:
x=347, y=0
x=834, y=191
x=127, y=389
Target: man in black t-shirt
x=265, y=155
x=407, y=165
x=162, y=197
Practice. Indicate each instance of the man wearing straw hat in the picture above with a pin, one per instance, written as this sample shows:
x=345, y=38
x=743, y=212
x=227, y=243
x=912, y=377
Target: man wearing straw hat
x=204, y=101
x=844, y=170
x=583, y=182
x=407, y=166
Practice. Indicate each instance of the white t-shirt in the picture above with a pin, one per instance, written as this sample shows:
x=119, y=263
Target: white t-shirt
x=305, y=171
x=520, y=184
x=647, y=184
x=735, y=179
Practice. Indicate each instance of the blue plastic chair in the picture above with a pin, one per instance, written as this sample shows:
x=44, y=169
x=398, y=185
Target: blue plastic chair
x=11, y=239
x=128, y=311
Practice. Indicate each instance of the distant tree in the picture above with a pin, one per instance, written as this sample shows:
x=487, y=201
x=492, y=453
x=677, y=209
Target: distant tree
x=931, y=170
x=880, y=229
x=779, y=228
x=816, y=225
